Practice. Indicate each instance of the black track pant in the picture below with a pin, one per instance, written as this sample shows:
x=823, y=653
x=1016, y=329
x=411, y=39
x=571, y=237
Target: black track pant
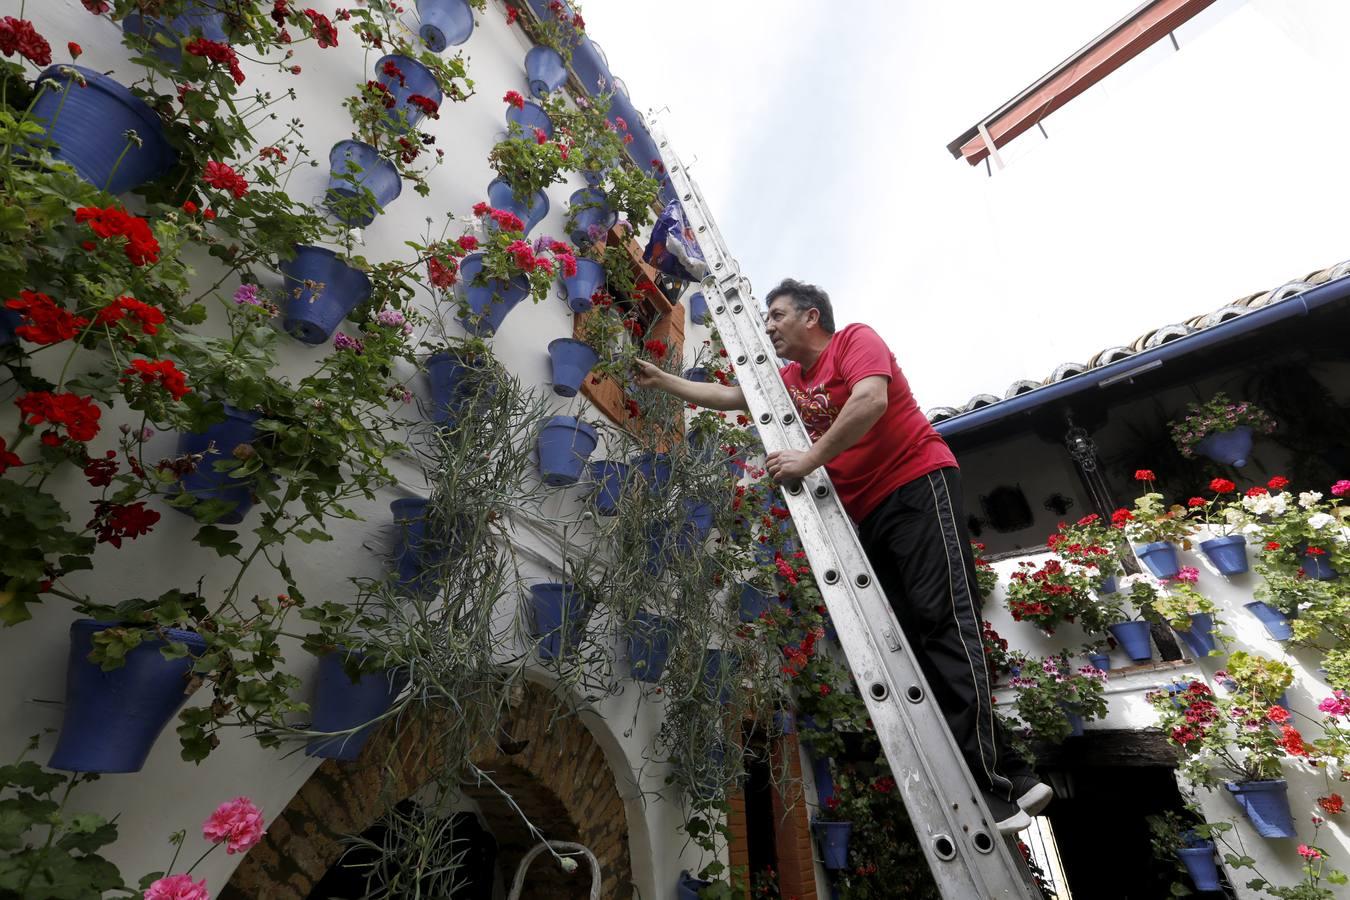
x=919, y=547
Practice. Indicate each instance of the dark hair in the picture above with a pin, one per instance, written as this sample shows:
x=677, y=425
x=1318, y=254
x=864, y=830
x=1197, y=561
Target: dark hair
x=805, y=296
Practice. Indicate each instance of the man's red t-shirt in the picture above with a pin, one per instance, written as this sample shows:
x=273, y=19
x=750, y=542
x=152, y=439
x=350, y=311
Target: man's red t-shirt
x=900, y=447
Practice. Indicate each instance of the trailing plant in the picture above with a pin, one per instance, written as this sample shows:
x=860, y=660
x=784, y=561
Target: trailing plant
x=986, y=579
x=1048, y=688
x=1091, y=543
x=531, y=162
x=560, y=28
x=1215, y=416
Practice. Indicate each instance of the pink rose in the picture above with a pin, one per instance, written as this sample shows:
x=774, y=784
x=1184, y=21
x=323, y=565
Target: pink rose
x=239, y=822
x=177, y=887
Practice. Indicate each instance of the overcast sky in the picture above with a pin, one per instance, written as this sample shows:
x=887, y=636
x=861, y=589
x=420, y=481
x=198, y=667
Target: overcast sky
x=818, y=133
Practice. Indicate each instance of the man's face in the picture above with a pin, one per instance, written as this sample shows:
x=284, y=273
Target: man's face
x=786, y=326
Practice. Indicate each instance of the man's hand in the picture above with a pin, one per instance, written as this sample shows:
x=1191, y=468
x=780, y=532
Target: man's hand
x=791, y=465
x=647, y=375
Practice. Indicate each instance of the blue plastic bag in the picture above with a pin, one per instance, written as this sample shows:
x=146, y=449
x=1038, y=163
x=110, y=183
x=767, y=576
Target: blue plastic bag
x=672, y=248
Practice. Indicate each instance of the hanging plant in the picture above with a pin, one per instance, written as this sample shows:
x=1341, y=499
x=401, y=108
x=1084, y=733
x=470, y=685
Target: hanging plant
x=1220, y=429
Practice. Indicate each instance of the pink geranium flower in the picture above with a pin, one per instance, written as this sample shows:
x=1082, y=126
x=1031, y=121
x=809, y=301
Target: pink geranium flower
x=238, y=821
x=177, y=887
x=1341, y=488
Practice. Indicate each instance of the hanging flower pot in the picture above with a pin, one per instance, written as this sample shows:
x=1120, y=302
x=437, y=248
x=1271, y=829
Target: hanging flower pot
x=488, y=302
x=404, y=78
x=1109, y=585
x=697, y=373
x=361, y=183
x=1199, y=638
x=591, y=216
x=414, y=550
x=1266, y=804
x=341, y=704
x=221, y=497
x=502, y=196
x=719, y=673
x=1229, y=554
x=112, y=718
x=321, y=290
x=545, y=71
x=784, y=722
x=581, y=287
x=1100, y=661
x=1229, y=448
x=572, y=361
x=654, y=470
x=1276, y=622
x=1160, y=557
x=530, y=118
x=698, y=309
x=168, y=37
x=687, y=887
x=649, y=641
x=698, y=522
x=87, y=125
x=1133, y=637
x=453, y=383
x=833, y=840
x=1316, y=567
x=1075, y=720
x=609, y=477
x=558, y=614
x=565, y=444
x=1200, y=865
x=754, y=603
x=445, y=23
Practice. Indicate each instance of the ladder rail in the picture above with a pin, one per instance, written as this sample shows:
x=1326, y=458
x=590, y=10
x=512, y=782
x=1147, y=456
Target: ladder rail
x=967, y=856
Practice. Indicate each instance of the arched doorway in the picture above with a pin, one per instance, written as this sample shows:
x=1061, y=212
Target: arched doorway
x=556, y=773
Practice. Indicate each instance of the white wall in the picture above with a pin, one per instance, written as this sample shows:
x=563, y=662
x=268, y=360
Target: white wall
x=170, y=794
x=1128, y=708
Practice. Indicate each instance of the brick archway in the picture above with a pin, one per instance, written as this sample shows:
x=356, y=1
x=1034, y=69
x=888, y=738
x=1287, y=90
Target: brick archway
x=560, y=779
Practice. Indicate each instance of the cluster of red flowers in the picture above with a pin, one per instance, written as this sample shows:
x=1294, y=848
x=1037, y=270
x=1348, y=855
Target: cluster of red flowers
x=443, y=271
x=219, y=53
x=1145, y=475
x=272, y=153
x=515, y=99
x=1332, y=805
x=1278, y=483
x=141, y=247
x=77, y=415
x=45, y=322
x=1120, y=517
x=1200, y=712
x=656, y=348
x=784, y=568
x=149, y=317
x=162, y=373
x=219, y=175
x=634, y=327
x=391, y=69
x=113, y=522
x=376, y=92
x=511, y=15
x=324, y=31
x=506, y=220
x=1292, y=742
x=425, y=104
x=19, y=35
x=1222, y=486
x=8, y=458
x=100, y=472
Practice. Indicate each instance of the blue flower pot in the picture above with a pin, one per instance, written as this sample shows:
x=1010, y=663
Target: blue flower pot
x=698, y=309
x=698, y=522
x=445, y=23
x=1266, y=804
x=490, y=301
x=754, y=603
x=1317, y=568
x=697, y=373
x=1133, y=637
x=572, y=361
x=821, y=772
x=112, y=719
x=649, y=640
x=87, y=130
x=1230, y=448
x=1199, y=638
x=527, y=119
x=168, y=37
x=361, y=183
x=1075, y=721
x=687, y=886
x=1200, y=865
x=833, y=841
x=1276, y=622
x=1229, y=554
x=9, y=320
x=1100, y=661
x=417, y=79
x=654, y=470
x=719, y=673
x=321, y=291
x=230, y=498
x=590, y=213
x=609, y=477
x=341, y=704
x=544, y=70
x=1160, y=557
x=582, y=286
x=1109, y=585
x=565, y=444
x=558, y=613
x=785, y=722
x=501, y=196
x=414, y=550
x=453, y=385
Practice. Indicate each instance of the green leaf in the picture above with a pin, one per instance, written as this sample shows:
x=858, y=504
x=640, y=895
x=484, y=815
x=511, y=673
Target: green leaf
x=221, y=540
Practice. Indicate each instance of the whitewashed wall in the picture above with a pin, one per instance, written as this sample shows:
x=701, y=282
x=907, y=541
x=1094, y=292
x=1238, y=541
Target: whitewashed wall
x=170, y=794
x=1128, y=709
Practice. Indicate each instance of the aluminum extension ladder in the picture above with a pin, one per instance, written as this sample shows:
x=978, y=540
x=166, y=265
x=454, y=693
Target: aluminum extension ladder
x=968, y=857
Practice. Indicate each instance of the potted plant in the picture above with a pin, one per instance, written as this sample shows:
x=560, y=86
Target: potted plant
x=650, y=638
x=1153, y=528
x=414, y=90
x=1049, y=594
x=530, y=161
x=986, y=579
x=599, y=151
x=572, y=361
x=446, y=23
x=1308, y=534
x=353, y=693
x=167, y=35
x=558, y=614
x=321, y=288
x=832, y=834
x=1091, y=542
x=609, y=476
x=565, y=443
x=1186, y=844
x=589, y=217
x=1220, y=429
x=504, y=270
x=1189, y=612
x=1223, y=519
x=219, y=451
x=1053, y=698
x=582, y=288
x=1133, y=634
x=557, y=33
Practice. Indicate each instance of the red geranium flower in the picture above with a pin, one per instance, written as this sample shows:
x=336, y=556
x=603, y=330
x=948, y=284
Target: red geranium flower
x=1222, y=486
x=1145, y=475
x=8, y=459
x=219, y=175
x=19, y=35
x=149, y=317
x=511, y=15
x=159, y=372
x=45, y=321
x=218, y=53
x=515, y=99
x=1272, y=545
x=114, y=521
x=78, y=415
x=468, y=242
x=1332, y=804
x=1120, y=517
x=141, y=246
x=656, y=348
x=1257, y=491
x=1196, y=501
x=425, y=104
x=74, y=49
x=324, y=32
x=1278, y=483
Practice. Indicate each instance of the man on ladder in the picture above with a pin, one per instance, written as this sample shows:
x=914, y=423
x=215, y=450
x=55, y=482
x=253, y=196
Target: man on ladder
x=899, y=482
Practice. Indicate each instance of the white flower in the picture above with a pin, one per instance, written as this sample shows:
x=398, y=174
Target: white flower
x=1308, y=499
x=1343, y=535
x=1251, y=528
x=1233, y=517
x=1320, y=520
x=1129, y=581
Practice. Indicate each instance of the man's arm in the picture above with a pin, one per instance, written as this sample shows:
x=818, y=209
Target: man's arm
x=864, y=407
x=705, y=394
